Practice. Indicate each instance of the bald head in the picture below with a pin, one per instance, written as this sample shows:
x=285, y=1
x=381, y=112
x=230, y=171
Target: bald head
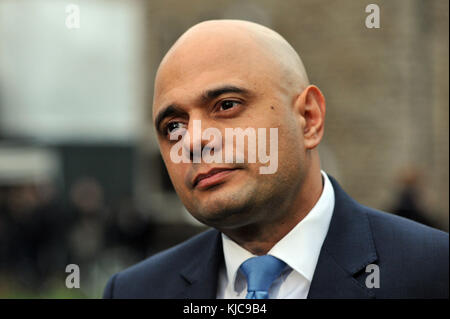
x=234, y=44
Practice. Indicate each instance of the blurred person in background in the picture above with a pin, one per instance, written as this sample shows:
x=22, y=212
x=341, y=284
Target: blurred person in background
x=408, y=202
x=33, y=245
x=128, y=229
x=88, y=213
x=55, y=224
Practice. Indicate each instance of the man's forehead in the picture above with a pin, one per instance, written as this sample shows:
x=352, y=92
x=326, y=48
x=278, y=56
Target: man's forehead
x=216, y=51
x=198, y=70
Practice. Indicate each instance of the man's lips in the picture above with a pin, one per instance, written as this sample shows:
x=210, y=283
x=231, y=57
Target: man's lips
x=212, y=177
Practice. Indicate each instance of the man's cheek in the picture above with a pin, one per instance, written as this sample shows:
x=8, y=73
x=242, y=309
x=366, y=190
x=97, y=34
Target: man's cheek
x=178, y=173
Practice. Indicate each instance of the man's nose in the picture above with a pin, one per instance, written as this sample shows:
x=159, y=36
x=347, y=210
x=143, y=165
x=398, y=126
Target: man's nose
x=195, y=144
x=193, y=141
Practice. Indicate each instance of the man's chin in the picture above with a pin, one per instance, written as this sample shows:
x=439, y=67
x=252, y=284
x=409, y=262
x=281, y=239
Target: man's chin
x=225, y=209
x=223, y=219
x=227, y=204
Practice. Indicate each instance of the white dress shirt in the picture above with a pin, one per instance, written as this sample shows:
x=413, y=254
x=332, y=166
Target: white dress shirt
x=299, y=249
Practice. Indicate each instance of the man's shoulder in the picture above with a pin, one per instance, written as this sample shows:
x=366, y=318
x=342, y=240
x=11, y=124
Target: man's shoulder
x=389, y=229
x=158, y=270
x=413, y=258
x=406, y=246
x=399, y=231
x=174, y=256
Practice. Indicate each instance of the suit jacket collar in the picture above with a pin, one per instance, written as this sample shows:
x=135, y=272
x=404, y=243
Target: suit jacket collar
x=200, y=274
x=348, y=248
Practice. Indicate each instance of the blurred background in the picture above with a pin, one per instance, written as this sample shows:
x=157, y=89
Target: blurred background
x=81, y=178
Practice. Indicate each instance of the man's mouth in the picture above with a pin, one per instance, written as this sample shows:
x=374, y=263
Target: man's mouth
x=212, y=177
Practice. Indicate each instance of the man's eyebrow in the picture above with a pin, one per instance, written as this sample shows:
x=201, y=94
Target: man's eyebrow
x=172, y=109
x=214, y=93
x=206, y=96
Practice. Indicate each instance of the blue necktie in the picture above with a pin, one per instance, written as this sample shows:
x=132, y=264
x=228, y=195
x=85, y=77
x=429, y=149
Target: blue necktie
x=260, y=272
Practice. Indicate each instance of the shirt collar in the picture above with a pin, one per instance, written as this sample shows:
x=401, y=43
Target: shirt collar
x=306, y=238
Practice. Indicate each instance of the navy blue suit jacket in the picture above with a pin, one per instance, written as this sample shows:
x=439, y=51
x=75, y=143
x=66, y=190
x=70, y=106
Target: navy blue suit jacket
x=412, y=260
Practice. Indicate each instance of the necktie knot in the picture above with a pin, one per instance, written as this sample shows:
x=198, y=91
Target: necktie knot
x=260, y=272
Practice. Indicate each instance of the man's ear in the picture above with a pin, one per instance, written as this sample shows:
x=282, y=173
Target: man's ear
x=310, y=105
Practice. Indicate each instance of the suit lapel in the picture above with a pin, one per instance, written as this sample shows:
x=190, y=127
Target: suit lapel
x=348, y=248
x=200, y=274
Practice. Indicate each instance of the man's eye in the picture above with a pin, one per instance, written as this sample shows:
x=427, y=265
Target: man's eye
x=173, y=126
x=227, y=104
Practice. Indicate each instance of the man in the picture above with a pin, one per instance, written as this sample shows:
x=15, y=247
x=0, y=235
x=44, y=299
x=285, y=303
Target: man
x=292, y=233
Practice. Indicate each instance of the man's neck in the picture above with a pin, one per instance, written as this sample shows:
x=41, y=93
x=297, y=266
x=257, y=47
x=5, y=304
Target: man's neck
x=259, y=238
